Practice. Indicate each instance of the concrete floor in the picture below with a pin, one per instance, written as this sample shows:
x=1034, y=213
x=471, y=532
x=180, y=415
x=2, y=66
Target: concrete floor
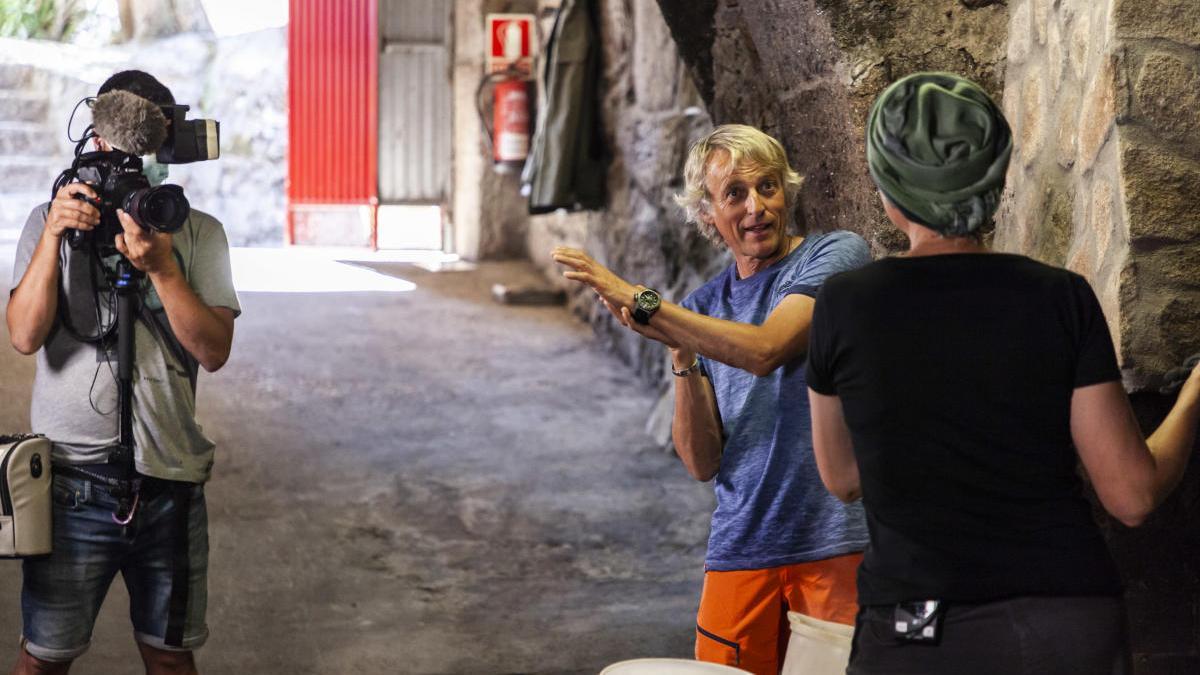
x=422, y=482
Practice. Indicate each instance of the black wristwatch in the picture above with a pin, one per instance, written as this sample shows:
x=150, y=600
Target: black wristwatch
x=645, y=304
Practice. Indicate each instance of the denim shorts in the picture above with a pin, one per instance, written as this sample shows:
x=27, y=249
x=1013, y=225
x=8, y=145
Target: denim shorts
x=166, y=576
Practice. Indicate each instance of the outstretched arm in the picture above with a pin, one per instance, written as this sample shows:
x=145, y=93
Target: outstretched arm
x=1132, y=476
x=756, y=349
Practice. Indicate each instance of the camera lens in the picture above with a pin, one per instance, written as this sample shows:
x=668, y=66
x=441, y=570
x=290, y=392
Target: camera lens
x=162, y=208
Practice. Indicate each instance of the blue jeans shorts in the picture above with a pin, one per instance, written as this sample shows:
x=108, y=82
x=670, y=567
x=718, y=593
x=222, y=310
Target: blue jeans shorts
x=166, y=575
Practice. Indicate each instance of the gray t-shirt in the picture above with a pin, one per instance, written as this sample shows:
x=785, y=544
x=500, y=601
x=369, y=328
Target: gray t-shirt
x=75, y=387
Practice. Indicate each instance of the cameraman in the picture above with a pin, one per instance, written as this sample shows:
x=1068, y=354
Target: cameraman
x=185, y=320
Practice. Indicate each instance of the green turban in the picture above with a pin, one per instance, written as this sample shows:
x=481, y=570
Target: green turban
x=938, y=148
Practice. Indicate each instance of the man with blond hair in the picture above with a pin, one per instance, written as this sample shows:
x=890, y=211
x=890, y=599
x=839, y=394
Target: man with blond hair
x=779, y=541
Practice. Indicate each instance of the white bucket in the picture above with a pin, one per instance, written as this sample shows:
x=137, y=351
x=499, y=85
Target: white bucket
x=817, y=647
x=670, y=667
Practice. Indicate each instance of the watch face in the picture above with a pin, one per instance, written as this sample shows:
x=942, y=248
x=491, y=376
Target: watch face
x=648, y=300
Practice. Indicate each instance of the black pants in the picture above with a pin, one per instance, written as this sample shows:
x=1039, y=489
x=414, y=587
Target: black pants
x=1017, y=636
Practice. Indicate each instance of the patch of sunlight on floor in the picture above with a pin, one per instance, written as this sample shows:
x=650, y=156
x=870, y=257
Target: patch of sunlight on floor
x=313, y=269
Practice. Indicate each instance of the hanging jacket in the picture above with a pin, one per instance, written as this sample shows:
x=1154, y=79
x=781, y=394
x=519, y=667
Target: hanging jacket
x=567, y=166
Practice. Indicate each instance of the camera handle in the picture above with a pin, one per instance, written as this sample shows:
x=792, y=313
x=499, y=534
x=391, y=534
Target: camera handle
x=129, y=285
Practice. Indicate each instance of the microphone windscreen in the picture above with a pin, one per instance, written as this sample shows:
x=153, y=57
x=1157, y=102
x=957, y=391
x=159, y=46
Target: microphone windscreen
x=129, y=122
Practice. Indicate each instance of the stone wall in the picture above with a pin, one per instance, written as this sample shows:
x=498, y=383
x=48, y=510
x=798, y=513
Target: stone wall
x=1060, y=82
x=809, y=74
x=651, y=113
x=674, y=68
x=241, y=81
x=245, y=88
x=1103, y=99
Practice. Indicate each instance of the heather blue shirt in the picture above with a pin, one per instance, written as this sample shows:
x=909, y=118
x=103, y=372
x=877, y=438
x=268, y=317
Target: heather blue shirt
x=771, y=506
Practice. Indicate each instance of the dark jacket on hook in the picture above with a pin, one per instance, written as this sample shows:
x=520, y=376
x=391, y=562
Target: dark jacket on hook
x=567, y=167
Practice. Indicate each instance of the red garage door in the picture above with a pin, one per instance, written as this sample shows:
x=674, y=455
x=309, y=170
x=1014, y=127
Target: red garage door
x=333, y=64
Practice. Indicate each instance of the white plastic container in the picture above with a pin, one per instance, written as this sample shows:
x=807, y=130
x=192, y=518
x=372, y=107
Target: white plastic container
x=670, y=667
x=25, y=513
x=817, y=647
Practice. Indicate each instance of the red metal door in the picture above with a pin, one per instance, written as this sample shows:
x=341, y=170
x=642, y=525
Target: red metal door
x=333, y=65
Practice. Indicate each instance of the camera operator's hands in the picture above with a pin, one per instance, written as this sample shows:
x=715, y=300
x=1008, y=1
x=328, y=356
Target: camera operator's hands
x=69, y=213
x=149, y=251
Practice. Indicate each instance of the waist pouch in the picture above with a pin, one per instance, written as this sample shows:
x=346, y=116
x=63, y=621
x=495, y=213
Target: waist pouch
x=25, y=507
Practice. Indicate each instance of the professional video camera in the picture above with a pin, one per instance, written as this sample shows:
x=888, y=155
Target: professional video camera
x=118, y=181
x=134, y=126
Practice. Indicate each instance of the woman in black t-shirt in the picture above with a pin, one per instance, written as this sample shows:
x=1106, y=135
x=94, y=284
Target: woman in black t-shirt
x=951, y=389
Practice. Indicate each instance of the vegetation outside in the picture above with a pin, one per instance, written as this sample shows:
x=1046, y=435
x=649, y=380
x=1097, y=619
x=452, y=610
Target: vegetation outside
x=46, y=19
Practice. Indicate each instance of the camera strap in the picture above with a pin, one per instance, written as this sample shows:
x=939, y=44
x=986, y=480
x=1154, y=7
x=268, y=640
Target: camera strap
x=157, y=320
x=154, y=319
x=90, y=257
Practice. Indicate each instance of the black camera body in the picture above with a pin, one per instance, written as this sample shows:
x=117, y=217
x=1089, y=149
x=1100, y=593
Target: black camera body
x=118, y=182
x=188, y=140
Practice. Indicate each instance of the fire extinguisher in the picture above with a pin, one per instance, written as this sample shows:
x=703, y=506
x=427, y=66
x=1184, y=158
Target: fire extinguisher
x=508, y=133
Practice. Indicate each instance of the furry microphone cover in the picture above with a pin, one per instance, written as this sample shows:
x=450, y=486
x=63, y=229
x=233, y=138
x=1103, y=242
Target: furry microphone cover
x=129, y=122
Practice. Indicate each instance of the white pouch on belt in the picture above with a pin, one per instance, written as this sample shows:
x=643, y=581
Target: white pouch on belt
x=25, y=512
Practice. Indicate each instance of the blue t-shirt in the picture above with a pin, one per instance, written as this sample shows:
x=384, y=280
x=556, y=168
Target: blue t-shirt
x=772, y=508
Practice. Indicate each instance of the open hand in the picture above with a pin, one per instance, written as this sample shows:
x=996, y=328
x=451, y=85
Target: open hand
x=583, y=268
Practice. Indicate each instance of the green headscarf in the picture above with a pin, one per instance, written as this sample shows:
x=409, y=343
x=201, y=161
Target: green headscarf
x=938, y=148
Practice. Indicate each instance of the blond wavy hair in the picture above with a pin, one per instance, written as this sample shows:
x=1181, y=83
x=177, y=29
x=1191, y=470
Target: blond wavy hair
x=745, y=145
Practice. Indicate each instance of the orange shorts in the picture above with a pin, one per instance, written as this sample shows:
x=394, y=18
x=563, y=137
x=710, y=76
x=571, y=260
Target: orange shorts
x=743, y=614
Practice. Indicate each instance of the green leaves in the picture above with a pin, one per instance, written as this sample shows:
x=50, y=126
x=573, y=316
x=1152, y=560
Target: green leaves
x=44, y=19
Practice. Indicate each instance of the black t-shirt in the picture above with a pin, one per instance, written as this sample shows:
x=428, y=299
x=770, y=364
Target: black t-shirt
x=955, y=373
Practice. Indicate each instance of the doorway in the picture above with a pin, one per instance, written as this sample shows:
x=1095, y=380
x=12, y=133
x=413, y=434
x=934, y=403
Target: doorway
x=415, y=118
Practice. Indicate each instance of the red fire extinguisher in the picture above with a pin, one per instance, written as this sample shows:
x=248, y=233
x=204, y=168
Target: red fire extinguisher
x=509, y=131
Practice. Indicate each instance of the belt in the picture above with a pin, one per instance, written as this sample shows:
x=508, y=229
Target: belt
x=128, y=489
x=148, y=486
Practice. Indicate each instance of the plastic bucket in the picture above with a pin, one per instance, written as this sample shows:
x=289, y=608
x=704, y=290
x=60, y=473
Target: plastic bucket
x=817, y=647
x=670, y=667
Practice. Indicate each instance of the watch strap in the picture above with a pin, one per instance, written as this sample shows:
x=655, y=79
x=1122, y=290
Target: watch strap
x=640, y=314
x=686, y=371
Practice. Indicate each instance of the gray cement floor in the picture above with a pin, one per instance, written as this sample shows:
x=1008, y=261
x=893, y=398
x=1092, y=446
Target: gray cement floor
x=421, y=482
